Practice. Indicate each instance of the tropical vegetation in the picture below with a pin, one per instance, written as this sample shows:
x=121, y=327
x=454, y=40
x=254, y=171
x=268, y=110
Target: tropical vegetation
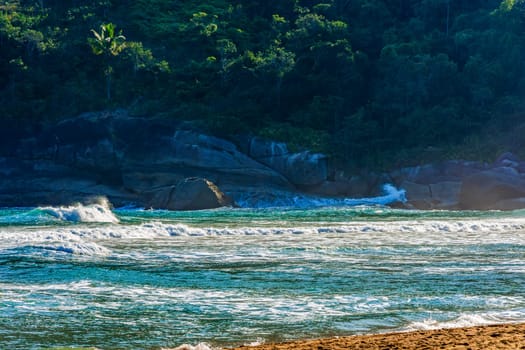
x=361, y=80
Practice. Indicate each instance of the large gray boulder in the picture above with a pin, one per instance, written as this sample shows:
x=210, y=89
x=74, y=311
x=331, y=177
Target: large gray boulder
x=484, y=190
x=190, y=194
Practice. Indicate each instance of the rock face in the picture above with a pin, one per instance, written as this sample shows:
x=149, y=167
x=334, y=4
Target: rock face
x=159, y=163
x=435, y=186
x=190, y=194
x=465, y=185
x=186, y=154
x=301, y=169
x=498, y=188
x=132, y=160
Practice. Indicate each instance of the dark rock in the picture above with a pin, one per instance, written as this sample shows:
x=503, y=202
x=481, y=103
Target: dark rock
x=331, y=189
x=138, y=160
x=55, y=190
x=359, y=186
x=505, y=158
x=190, y=194
x=189, y=154
x=301, y=169
x=509, y=204
x=445, y=195
x=441, y=195
x=485, y=189
x=418, y=196
x=521, y=167
x=134, y=156
x=305, y=168
x=453, y=170
x=140, y=180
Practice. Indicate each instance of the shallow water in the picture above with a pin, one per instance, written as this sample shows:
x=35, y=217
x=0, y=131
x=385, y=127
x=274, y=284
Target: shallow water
x=233, y=276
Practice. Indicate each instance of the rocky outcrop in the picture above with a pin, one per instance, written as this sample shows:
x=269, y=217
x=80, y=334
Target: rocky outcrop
x=435, y=186
x=190, y=194
x=355, y=186
x=497, y=188
x=129, y=159
x=301, y=168
x=465, y=185
x=188, y=153
x=33, y=183
x=154, y=162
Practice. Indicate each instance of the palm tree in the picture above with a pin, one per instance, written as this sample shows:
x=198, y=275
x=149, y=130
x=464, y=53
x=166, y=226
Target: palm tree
x=109, y=44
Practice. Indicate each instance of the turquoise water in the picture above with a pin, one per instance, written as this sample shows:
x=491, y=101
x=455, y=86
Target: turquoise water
x=136, y=279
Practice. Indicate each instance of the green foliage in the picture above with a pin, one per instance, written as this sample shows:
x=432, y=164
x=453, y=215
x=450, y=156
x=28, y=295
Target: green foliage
x=362, y=80
x=107, y=42
x=298, y=139
x=273, y=63
x=143, y=59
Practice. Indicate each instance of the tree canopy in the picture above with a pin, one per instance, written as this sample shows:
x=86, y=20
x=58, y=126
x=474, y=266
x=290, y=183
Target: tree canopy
x=362, y=80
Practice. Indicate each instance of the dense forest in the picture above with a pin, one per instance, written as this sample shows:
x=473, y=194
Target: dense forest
x=361, y=80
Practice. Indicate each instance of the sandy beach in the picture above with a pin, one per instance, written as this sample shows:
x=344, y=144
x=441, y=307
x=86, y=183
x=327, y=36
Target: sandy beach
x=509, y=336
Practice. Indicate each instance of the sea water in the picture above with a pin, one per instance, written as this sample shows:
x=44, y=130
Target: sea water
x=88, y=276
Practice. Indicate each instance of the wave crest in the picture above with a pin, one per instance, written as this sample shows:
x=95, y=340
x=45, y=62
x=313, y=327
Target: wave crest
x=99, y=212
x=85, y=249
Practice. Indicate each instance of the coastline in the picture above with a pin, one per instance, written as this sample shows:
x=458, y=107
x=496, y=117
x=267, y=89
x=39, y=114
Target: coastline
x=492, y=337
x=102, y=154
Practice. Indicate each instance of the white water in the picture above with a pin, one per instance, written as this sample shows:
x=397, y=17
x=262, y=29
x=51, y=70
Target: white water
x=228, y=277
x=100, y=213
x=284, y=199
x=87, y=240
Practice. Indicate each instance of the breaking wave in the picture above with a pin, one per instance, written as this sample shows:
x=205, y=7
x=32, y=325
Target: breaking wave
x=100, y=213
x=469, y=320
x=412, y=230
x=391, y=194
x=85, y=249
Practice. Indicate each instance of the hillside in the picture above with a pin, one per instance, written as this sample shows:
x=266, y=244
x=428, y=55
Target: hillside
x=371, y=83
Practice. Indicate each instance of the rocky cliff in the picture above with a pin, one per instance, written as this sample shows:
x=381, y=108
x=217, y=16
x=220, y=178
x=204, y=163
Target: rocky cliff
x=143, y=161
x=157, y=163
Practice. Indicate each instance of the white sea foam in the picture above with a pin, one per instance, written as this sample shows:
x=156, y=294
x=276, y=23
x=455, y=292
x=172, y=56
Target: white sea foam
x=414, y=232
x=287, y=199
x=468, y=320
x=417, y=227
x=86, y=249
x=52, y=240
x=83, y=213
x=201, y=346
x=391, y=195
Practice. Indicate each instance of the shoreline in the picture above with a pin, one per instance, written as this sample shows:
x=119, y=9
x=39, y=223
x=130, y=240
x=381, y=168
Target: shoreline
x=491, y=337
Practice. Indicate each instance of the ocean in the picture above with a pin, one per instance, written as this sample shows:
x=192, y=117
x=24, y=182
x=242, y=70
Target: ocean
x=128, y=278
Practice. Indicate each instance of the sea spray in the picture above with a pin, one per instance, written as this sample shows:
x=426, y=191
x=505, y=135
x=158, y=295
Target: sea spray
x=391, y=194
x=98, y=211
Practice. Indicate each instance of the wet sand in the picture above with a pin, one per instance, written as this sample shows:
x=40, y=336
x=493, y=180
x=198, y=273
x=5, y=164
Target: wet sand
x=509, y=336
